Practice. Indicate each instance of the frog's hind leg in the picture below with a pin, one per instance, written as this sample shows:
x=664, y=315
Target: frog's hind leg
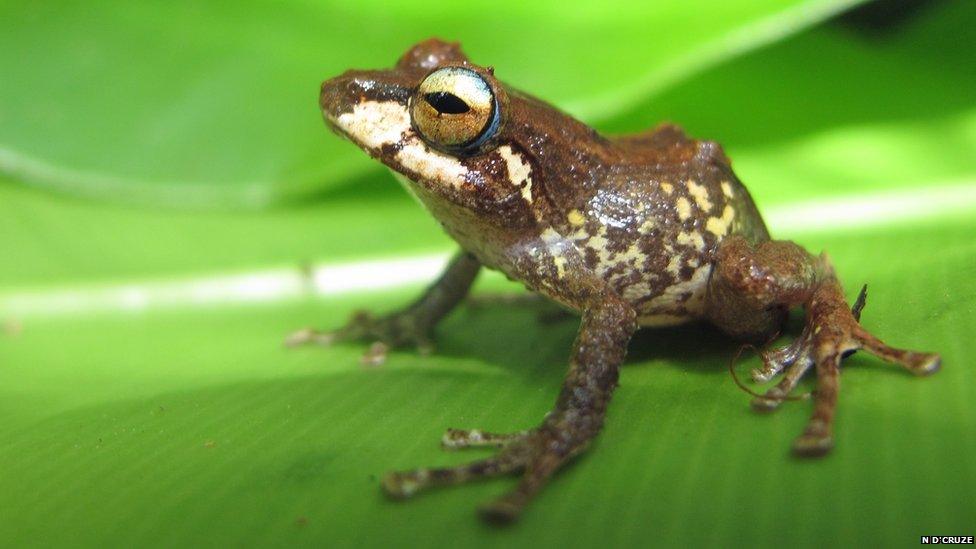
x=567, y=430
x=750, y=289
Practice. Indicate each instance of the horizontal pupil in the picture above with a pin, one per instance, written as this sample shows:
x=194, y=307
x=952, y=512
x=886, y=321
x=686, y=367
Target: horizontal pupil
x=446, y=103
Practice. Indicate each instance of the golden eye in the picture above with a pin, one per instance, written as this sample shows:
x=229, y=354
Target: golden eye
x=454, y=109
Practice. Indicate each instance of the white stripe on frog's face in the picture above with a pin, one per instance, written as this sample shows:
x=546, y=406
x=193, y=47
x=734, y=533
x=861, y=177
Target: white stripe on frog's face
x=375, y=124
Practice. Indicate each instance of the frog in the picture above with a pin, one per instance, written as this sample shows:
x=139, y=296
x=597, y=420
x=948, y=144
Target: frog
x=626, y=232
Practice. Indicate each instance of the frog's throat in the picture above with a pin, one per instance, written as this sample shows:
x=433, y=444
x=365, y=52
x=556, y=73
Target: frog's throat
x=407, y=185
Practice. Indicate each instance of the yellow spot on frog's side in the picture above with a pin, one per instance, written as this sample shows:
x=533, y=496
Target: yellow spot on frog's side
x=579, y=234
x=674, y=265
x=727, y=189
x=632, y=255
x=555, y=244
x=519, y=171
x=575, y=218
x=647, y=226
x=700, y=194
x=636, y=291
x=720, y=225
x=598, y=243
x=691, y=239
x=666, y=301
x=560, y=263
x=667, y=187
x=684, y=208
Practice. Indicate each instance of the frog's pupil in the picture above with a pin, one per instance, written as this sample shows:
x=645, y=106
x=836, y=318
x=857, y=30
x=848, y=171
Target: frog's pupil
x=446, y=103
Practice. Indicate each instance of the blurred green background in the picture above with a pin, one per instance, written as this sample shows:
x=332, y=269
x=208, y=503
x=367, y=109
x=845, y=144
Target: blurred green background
x=171, y=206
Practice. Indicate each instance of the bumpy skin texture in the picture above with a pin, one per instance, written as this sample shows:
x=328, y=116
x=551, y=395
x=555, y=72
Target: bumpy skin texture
x=639, y=230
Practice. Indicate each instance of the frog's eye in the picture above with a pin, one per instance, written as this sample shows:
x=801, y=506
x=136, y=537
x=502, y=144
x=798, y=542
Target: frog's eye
x=454, y=109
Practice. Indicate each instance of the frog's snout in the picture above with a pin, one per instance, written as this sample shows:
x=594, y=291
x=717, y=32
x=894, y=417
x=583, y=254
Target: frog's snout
x=341, y=94
x=335, y=94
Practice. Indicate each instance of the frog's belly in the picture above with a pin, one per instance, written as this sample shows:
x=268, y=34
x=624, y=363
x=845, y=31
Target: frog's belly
x=679, y=302
x=661, y=320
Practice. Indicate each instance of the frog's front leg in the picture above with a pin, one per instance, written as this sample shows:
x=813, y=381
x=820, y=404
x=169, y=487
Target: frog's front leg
x=412, y=325
x=606, y=327
x=750, y=289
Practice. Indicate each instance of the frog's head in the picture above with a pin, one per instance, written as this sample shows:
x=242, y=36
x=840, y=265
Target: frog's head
x=457, y=134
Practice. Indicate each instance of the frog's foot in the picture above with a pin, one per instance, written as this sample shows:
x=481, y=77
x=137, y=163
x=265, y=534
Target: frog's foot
x=403, y=329
x=411, y=326
x=796, y=357
x=830, y=334
x=536, y=454
x=403, y=484
x=750, y=289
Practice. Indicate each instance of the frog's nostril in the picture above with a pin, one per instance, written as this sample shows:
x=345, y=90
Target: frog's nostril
x=327, y=103
x=342, y=93
x=337, y=95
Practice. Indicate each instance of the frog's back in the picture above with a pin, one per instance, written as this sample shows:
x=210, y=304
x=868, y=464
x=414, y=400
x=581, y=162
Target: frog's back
x=655, y=221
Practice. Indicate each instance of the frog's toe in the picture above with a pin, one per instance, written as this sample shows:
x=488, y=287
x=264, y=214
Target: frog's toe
x=777, y=360
x=404, y=484
x=309, y=336
x=455, y=439
x=357, y=327
x=375, y=354
x=535, y=454
x=781, y=391
x=403, y=329
x=813, y=443
x=510, y=458
x=828, y=337
x=918, y=363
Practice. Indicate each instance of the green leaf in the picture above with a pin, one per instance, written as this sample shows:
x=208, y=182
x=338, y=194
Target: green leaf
x=189, y=424
x=837, y=112
x=195, y=105
x=195, y=427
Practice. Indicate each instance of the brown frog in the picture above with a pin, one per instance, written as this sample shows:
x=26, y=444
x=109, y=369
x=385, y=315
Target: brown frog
x=638, y=230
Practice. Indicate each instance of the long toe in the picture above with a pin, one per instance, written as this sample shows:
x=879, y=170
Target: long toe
x=813, y=445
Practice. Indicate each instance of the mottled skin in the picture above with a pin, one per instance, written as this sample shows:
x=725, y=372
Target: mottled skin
x=639, y=230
